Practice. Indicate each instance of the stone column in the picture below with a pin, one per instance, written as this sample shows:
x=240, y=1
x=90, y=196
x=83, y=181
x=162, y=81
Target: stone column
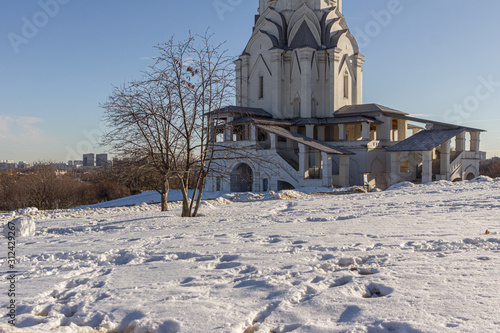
x=273, y=138
x=303, y=162
x=305, y=56
x=327, y=168
x=344, y=170
x=228, y=135
x=310, y=131
x=475, y=141
x=342, y=132
x=365, y=130
x=395, y=167
x=384, y=129
x=358, y=91
x=334, y=56
x=402, y=129
x=253, y=132
x=245, y=72
x=237, y=64
x=276, y=69
x=321, y=137
x=460, y=142
x=426, y=166
x=445, y=160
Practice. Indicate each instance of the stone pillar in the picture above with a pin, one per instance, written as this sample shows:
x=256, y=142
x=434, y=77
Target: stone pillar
x=312, y=160
x=305, y=56
x=402, y=129
x=460, y=142
x=445, y=160
x=334, y=56
x=273, y=138
x=384, y=129
x=327, y=168
x=253, y=132
x=245, y=72
x=344, y=170
x=358, y=91
x=426, y=166
x=310, y=131
x=303, y=162
x=474, y=141
x=365, y=131
x=238, y=67
x=228, y=133
x=276, y=69
x=395, y=167
x=342, y=132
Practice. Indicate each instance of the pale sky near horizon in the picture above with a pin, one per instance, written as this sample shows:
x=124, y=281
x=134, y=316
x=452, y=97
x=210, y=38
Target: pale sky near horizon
x=437, y=59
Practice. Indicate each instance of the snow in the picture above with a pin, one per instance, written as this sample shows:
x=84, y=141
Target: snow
x=413, y=259
x=24, y=227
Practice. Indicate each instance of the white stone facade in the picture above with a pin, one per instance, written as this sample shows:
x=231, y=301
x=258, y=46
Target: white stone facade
x=300, y=118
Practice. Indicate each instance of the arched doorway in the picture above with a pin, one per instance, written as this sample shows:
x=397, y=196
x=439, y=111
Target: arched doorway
x=241, y=178
x=470, y=176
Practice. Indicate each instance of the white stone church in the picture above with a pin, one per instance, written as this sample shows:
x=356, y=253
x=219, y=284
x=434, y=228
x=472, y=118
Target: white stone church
x=300, y=111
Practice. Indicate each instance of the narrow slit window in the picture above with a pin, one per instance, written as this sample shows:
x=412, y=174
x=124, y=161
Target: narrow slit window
x=261, y=87
x=346, y=85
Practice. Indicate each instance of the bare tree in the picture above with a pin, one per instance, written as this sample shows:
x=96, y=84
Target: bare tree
x=164, y=119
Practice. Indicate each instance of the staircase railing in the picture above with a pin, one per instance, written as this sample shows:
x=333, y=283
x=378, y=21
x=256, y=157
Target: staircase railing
x=456, y=163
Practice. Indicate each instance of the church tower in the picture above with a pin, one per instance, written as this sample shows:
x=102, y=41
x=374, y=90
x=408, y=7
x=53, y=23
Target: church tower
x=301, y=61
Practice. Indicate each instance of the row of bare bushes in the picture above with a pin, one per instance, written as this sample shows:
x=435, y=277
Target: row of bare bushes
x=490, y=168
x=47, y=187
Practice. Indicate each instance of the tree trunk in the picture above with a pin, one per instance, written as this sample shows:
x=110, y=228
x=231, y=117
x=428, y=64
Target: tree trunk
x=200, y=194
x=186, y=209
x=164, y=194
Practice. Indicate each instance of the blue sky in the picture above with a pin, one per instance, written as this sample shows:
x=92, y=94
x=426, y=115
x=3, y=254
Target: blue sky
x=434, y=58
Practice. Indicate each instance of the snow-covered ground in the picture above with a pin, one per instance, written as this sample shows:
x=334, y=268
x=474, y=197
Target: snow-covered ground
x=410, y=259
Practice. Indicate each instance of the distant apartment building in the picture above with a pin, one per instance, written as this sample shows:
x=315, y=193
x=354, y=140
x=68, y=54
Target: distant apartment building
x=89, y=160
x=101, y=160
x=24, y=165
x=75, y=164
x=7, y=164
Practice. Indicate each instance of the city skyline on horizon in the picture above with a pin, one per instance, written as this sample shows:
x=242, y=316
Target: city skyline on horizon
x=56, y=76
